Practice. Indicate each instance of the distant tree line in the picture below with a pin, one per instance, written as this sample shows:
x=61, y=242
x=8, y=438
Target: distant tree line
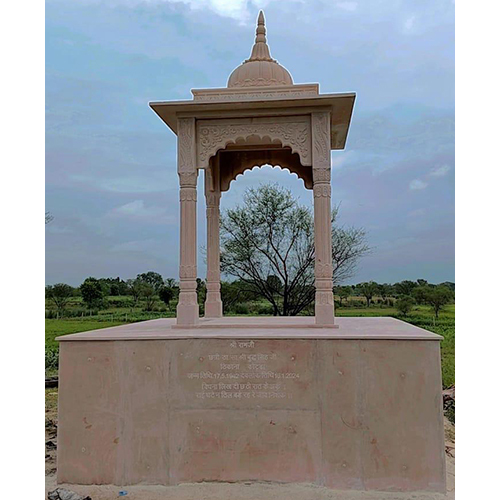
x=146, y=288
x=237, y=298
x=403, y=295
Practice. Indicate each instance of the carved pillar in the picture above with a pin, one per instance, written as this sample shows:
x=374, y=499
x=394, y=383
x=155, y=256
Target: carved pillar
x=187, y=309
x=213, y=302
x=324, y=306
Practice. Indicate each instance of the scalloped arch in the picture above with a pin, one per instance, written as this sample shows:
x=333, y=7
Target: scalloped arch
x=235, y=163
x=250, y=169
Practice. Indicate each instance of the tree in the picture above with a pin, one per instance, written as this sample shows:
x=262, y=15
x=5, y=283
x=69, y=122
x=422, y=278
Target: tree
x=272, y=235
x=368, y=290
x=151, y=278
x=405, y=304
x=93, y=293
x=419, y=293
x=166, y=294
x=201, y=291
x=234, y=292
x=59, y=294
x=134, y=288
x=385, y=290
x=404, y=287
x=170, y=283
x=437, y=297
x=149, y=296
x=344, y=292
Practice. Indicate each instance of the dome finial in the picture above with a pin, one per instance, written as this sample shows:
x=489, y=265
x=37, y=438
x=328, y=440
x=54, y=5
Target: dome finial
x=260, y=70
x=260, y=50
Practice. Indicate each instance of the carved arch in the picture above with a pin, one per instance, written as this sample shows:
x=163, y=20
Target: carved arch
x=234, y=163
x=215, y=135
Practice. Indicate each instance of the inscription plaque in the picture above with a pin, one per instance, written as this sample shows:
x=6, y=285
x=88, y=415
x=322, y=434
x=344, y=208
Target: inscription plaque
x=236, y=372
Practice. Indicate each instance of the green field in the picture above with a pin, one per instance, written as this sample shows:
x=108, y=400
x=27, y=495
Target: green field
x=421, y=316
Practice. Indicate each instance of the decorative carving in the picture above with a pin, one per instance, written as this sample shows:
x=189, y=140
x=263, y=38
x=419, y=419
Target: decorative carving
x=234, y=163
x=188, y=179
x=249, y=96
x=212, y=199
x=322, y=190
x=187, y=194
x=187, y=272
x=186, y=151
x=215, y=136
x=323, y=270
x=321, y=175
x=324, y=298
x=321, y=140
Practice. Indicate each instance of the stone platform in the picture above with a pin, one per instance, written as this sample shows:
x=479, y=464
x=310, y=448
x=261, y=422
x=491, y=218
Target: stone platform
x=253, y=399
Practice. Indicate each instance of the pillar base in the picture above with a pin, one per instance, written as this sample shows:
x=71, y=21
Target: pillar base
x=188, y=314
x=324, y=314
x=213, y=309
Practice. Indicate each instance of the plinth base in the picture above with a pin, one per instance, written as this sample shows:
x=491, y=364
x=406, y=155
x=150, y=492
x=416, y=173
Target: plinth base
x=358, y=407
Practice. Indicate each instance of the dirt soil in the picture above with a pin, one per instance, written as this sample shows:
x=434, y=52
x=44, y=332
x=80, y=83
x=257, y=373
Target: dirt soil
x=238, y=491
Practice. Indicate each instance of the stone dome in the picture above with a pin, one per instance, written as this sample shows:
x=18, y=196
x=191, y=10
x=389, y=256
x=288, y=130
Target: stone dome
x=260, y=70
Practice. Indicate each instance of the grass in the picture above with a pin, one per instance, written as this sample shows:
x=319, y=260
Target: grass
x=57, y=327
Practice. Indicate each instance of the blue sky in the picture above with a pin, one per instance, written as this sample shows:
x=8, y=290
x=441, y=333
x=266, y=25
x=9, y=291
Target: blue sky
x=111, y=179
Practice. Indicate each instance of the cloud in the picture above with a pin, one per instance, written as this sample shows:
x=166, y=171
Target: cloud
x=417, y=184
x=137, y=210
x=409, y=24
x=440, y=171
x=349, y=6
x=419, y=212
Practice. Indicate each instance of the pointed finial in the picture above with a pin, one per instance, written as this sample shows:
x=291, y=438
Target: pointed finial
x=261, y=28
x=260, y=50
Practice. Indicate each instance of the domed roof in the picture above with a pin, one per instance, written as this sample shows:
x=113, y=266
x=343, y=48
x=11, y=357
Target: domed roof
x=260, y=69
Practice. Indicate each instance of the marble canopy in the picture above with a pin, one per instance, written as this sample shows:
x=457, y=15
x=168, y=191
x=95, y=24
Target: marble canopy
x=261, y=118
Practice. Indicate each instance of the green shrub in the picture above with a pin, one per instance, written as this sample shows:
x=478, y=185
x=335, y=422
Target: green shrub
x=241, y=308
x=52, y=358
x=265, y=309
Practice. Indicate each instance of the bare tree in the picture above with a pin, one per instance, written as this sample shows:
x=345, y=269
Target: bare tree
x=268, y=244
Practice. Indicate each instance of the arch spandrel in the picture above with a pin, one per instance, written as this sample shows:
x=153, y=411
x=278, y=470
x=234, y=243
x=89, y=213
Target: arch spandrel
x=293, y=132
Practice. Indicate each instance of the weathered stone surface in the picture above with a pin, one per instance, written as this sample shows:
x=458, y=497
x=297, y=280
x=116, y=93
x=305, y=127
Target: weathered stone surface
x=345, y=412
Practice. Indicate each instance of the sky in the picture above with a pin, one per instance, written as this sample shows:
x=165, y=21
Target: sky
x=111, y=181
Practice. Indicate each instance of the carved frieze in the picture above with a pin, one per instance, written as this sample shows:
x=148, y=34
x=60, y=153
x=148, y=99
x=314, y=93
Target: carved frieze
x=296, y=134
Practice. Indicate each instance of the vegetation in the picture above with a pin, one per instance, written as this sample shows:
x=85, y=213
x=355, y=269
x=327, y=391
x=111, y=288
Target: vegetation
x=60, y=295
x=405, y=304
x=93, y=292
x=267, y=244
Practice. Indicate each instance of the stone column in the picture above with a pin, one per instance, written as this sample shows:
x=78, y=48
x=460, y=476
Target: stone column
x=213, y=302
x=187, y=309
x=324, y=306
